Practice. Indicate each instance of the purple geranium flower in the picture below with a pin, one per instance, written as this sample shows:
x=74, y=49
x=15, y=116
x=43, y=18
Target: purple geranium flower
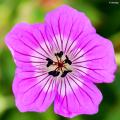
x=60, y=60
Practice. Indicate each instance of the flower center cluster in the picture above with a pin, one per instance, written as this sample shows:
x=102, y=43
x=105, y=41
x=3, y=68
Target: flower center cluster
x=59, y=67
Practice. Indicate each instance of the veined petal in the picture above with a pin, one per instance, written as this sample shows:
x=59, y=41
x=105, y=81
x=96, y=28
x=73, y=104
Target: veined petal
x=76, y=96
x=33, y=90
x=32, y=87
x=99, y=63
x=23, y=42
x=66, y=26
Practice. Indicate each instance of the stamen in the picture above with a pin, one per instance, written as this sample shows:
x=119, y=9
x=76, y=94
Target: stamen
x=54, y=73
x=50, y=62
x=65, y=73
x=67, y=60
x=60, y=54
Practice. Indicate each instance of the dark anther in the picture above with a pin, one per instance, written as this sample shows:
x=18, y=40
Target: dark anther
x=50, y=62
x=65, y=73
x=59, y=54
x=54, y=73
x=67, y=60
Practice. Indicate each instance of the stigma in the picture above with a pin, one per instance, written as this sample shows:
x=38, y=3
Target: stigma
x=59, y=67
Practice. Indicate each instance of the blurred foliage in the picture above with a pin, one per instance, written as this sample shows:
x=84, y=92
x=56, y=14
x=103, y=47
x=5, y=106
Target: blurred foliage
x=105, y=16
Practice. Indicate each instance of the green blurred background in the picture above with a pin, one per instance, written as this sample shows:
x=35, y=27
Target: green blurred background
x=105, y=16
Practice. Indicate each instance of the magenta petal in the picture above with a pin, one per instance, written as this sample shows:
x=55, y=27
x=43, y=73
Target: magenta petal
x=76, y=97
x=25, y=46
x=67, y=25
x=33, y=92
x=99, y=63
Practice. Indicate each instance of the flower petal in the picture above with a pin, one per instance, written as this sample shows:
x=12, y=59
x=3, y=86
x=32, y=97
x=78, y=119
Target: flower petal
x=25, y=46
x=76, y=96
x=32, y=86
x=33, y=90
x=99, y=63
x=66, y=25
